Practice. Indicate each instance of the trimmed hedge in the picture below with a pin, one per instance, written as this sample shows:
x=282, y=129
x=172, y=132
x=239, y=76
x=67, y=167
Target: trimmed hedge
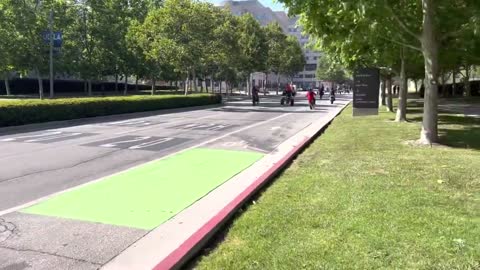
x=35, y=111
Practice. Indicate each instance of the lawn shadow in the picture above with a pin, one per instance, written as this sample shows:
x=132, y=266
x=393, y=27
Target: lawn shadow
x=468, y=138
x=457, y=131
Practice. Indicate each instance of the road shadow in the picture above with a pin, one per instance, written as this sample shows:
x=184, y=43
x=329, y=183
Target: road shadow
x=9, y=130
x=257, y=109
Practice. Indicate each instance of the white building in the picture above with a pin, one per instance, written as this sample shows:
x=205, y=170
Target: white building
x=306, y=78
x=265, y=15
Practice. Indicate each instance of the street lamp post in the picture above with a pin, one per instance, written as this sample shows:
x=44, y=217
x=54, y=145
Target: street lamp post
x=50, y=30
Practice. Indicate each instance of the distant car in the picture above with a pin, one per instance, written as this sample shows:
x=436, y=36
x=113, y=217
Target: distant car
x=300, y=89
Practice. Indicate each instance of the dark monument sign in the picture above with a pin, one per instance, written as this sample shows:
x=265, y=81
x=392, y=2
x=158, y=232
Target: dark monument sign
x=365, y=92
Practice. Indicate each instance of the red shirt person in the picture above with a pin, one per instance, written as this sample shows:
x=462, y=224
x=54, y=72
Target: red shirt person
x=310, y=96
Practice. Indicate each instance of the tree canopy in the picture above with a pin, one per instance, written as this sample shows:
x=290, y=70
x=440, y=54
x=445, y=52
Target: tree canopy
x=150, y=39
x=398, y=37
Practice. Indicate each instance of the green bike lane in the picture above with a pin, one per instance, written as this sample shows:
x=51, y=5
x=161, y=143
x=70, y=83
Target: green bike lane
x=87, y=226
x=148, y=195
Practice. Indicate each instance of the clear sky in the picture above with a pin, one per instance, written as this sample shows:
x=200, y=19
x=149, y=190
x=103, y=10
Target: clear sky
x=273, y=4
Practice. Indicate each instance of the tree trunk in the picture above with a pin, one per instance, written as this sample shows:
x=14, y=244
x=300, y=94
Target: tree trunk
x=152, y=91
x=278, y=83
x=85, y=86
x=7, y=84
x=468, y=88
x=402, y=94
x=206, y=84
x=416, y=86
x=454, y=82
x=194, y=80
x=125, y=87
x=444, y=87
x=265, y=89
x=389, y=93
x=89, y=87
x=40, y=83
x=429, y=133
x=186, y=84
x=136, y=83
x=116, y=82
x=383, y=92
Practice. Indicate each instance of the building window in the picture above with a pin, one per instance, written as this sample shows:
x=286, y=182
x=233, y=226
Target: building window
x=310, y=76
x=307, y=58
x=315, y=58
x=310, y=67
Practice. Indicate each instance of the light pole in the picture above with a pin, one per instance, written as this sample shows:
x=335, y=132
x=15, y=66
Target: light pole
x=50, y=30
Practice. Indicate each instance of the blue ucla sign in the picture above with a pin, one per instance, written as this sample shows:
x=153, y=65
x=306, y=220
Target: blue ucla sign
x=57, y=38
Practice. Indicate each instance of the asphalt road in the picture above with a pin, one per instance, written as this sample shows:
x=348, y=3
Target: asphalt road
x=51, y=159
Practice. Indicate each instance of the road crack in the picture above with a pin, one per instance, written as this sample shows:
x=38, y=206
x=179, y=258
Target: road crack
x=51, y=254
x=7, y=230
x=63, y=168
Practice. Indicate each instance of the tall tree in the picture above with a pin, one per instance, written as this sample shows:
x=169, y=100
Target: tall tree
x=419, y=25
x=277, y=46
x=9, y=40
x=253, y=47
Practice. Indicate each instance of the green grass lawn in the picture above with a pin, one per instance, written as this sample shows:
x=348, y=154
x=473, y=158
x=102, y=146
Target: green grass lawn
x=361, y=198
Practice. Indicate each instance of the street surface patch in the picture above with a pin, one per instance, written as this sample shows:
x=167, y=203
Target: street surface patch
x=46, y=137
x=205, y=126
x=148, y=195
x=132, y=123
x=148, y=143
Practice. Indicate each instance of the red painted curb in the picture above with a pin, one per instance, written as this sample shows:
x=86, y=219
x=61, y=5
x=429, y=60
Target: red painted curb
x=175, y=258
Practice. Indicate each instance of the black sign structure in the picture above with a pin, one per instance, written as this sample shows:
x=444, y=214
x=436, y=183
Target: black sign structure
x=366, y=91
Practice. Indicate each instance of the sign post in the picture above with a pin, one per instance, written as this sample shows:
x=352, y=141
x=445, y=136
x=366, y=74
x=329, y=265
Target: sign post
x=54, y=41
x=365, y=91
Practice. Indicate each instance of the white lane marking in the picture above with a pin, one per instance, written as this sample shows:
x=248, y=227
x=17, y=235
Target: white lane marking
x=36, y=201
x=155, y=126
x=218, y=127
x=32, y=136
x=114, y=144
x=59, y=136
x=275, y=128
x=151, y=143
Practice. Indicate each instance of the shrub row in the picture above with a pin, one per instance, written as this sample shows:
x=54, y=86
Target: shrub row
x=36, y=111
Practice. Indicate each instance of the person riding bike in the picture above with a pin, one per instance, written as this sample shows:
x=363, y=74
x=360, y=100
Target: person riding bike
x=311, y=99
x=332, y=95
x=288, y=90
